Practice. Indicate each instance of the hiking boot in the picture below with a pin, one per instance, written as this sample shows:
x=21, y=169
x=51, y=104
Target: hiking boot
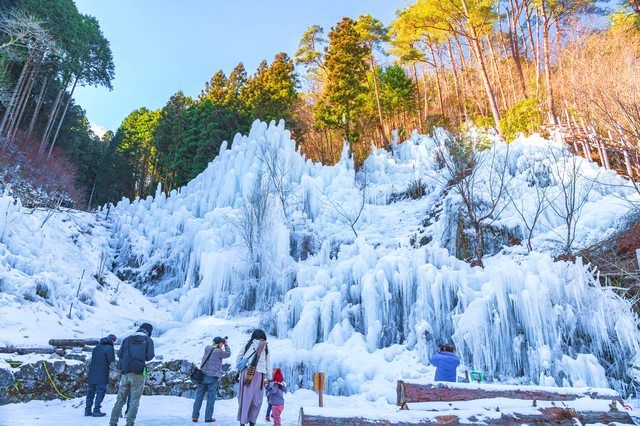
x=194, y=419
x=98, y=414
x=267, y=419
x=210, y=421
x=87, y=413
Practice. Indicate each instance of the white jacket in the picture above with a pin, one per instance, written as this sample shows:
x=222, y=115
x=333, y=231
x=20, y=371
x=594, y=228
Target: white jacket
x=263, y=362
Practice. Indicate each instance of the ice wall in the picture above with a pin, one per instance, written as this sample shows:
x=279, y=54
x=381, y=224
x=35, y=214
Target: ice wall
x=325, y=280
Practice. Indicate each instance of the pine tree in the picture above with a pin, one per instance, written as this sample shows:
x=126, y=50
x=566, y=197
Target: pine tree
x=271, y=93
x=168, y=136
x=215, y=89
x=373, y=34
x=345, y=61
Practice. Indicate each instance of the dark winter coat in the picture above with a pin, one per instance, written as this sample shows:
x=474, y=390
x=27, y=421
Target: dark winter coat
x=101, y=357
x=275, y=393
x=134, y=351
x=446, y=364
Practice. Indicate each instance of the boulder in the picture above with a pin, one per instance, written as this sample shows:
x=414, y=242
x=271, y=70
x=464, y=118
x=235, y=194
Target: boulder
x=7, y=380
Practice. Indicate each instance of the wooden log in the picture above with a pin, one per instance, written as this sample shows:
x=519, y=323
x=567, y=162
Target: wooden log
x=411, y=392
x=543, y=416
x=26, y=351
x=73, y=343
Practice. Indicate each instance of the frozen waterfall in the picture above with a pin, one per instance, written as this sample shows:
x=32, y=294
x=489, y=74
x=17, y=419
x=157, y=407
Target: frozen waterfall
x=264, y=229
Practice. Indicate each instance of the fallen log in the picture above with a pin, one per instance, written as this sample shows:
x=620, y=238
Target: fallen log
x=73, y=343
x=413, y=392
x=542, y=416
x=27, y=351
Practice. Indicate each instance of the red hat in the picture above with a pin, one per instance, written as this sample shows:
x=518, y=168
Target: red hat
x=277, y=376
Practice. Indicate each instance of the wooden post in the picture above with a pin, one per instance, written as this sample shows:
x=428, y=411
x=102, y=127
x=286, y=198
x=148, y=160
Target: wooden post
x=319, y=386
x=627, y=163
x=605, y=156
x=587, y=150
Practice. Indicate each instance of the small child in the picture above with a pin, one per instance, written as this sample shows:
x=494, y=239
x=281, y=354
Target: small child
x=275, y=396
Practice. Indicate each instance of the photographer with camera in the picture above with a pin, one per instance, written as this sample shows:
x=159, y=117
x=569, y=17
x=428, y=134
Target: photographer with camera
x=212, y=370
x=446, y=363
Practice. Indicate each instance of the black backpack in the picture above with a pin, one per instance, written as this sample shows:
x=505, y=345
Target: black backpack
x=135, y=365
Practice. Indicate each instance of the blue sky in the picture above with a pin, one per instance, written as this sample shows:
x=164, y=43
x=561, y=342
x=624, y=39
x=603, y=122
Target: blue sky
x=162, y=46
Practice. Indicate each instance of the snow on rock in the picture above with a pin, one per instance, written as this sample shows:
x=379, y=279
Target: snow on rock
x=263, y=229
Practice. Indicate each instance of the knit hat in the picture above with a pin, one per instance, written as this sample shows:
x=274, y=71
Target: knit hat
x=217, y=340
x=277, y=376
x=112, y=337
x=147, y=328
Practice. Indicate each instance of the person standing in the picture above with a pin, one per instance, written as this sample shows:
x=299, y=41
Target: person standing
x=133, y=354
x=212, y=369
x=98, y=375
x=255, y=357
x=446, y=363
x=275, y=396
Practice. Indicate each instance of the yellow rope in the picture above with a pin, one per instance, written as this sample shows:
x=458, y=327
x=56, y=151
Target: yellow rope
x=52, y=383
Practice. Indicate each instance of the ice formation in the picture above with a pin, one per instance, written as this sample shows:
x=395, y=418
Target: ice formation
x=264, y=229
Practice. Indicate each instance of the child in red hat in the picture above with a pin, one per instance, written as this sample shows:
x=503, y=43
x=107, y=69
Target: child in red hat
x=275, y=396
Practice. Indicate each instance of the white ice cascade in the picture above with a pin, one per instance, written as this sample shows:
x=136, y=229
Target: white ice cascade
x=524, y=317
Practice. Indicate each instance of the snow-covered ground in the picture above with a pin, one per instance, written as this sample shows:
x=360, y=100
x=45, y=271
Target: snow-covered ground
x=366, y=304
x=173, y=411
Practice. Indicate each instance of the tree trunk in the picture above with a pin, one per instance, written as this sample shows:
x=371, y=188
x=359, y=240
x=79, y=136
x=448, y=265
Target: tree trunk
x=496, y=72
x=14, y=123
x=635, y=5
x=479, y=249
x=415, y=79
x=14, y=97
x=64, y=113
x=376, y=90
x=514, y=44
x=39, y=101
x=475, y=43
x=534, y=53
x=438, y=87
x=456, y=82
x=425, y=92
x=52, y=117
x=22, y=105
x=547, y=66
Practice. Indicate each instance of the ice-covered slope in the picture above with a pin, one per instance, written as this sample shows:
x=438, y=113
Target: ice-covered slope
x=54, y=278
x=263, y=229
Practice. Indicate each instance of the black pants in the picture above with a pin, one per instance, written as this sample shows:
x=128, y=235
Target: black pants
x=97, y=392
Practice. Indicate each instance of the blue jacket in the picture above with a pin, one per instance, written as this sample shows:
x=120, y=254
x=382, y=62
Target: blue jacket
x=101, y=357
x=134, y=351
x=446, y=364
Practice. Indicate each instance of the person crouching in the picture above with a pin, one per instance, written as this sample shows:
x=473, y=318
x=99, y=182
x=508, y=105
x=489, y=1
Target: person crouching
x=98, y=375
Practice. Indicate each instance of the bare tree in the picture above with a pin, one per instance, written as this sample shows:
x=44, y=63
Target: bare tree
x=573, y=194
x=278, y=170
x=253, y=222
x=19, y=28
x=350, y=215
x=530, y=217
x=480, y=178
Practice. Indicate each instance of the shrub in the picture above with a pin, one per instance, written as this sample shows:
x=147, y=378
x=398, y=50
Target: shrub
x=523, y=117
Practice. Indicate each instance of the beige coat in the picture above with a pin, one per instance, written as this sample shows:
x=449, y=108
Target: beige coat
x=263, y=362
